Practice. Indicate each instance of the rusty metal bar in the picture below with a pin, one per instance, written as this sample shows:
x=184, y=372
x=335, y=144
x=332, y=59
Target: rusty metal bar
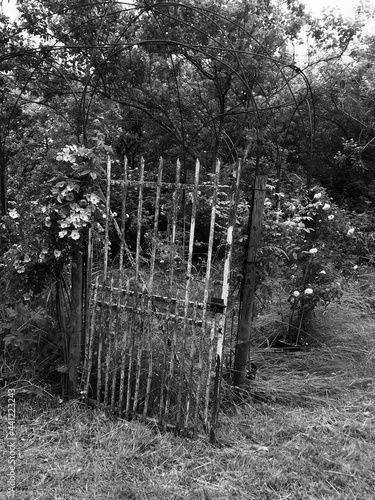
x=170, y=185
x=224, y=296
x=134, y=318
x=170, y=375
x=138, y=373
x=190, y=394
x=90, y=341
x=101, y=337
x=210, y=358
x=123, y=320
x=206, y=291
x=107, y=212
x=115, y=368
x=139, y=221
x=139, y=319
x=168, y=343
x=123, y=221
x=150, y=287
x=87, y=286
x=126, y=328
x=108, y=359
x=175, y=199
x=187, y=290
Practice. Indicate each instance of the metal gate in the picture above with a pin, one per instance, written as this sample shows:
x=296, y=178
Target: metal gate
x=155, y=342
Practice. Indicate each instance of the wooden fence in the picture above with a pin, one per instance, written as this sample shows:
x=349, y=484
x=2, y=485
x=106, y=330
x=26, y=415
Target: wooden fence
x=155, y=341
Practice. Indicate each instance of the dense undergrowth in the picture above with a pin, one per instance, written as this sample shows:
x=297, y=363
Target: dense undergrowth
x=306, y=432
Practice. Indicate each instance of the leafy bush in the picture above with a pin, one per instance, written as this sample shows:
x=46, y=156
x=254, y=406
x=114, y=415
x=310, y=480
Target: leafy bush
x=309, y=249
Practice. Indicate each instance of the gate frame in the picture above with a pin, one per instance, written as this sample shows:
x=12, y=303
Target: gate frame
x=217, y=325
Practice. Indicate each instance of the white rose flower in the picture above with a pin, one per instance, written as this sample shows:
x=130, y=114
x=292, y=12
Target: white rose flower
x=93, y=198
x=317, y=196
x=331, y=217
x=75, y=235
x=313, y=251
x=326, y=206
x=309, y=291
x=296, y=293
x=350, y=231
x=13, y=213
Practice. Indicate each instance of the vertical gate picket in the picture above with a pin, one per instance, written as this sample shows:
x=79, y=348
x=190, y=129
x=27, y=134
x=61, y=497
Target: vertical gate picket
x=224, y=296
x=175, y=200
x=87, y=287
x=123, y=221
x=110, y=341
x=187, y=291
x=101, y=338
x=134, y=313
x=151, y=287
x=122, y=307
x=107, y=212
x=206, y=419
x=115, y=369
x=104, y=281
x=138, y=309
x=190, y=382
x=90, y=341
x=168, y=373
x=125, y=325
x=206, y=289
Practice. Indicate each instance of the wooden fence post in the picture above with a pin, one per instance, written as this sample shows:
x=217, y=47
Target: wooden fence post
x=248, y=290
x=76, y=316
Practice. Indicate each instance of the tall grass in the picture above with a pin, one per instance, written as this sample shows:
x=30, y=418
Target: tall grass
x=304, y=431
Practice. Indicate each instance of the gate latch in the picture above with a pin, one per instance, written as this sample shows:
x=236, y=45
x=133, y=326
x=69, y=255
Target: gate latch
x=216, y=305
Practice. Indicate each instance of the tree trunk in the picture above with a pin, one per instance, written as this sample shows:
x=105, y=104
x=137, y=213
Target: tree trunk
x=3, y=190
x=248, y=290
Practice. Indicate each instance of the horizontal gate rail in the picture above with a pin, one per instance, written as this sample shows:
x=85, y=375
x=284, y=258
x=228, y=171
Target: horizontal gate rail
x=172, y=185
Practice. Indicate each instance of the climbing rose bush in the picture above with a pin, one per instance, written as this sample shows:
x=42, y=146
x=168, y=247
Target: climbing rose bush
x=42, y=233
x=308, y=247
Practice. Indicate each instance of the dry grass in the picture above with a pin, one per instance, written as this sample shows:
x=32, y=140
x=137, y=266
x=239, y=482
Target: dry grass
x=307, y=433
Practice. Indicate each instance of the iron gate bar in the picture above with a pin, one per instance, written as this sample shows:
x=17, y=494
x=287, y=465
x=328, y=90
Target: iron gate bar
x=107, y=211
x=225, y=295
x=89, y=348
x=123, y=220
x=160, y=314
x=109, y=340
x=157, y=297
x=151, y=286
x=206, y=289
x=187, y=290
x=125, y=336
x=153, y=184
x=138, y=366
x=167, y=375
x=100, y=349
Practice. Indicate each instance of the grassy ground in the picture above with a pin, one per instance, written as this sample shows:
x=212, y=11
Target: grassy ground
x=308, y=433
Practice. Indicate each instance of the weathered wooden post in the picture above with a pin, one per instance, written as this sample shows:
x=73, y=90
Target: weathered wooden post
x=76, y=317
x=248, y=289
